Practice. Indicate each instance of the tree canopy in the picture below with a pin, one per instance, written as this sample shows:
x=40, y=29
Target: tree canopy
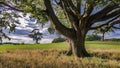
x=36, y=35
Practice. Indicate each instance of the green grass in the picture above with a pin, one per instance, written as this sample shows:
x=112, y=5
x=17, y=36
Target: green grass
x=89, y=44
x=34, y=46
x=102, y=44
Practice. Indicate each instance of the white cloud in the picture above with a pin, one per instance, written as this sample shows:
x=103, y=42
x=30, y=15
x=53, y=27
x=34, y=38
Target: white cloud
x=21, y=34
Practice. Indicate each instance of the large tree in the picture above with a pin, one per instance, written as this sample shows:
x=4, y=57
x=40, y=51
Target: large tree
x=81, y=15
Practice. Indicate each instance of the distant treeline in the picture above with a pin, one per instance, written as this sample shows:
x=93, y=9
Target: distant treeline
x=11, y=43
x=99, y=38
x=93, y=37
x=113, y=39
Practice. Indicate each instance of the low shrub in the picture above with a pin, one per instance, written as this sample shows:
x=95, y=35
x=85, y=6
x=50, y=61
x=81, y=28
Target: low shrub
x=56, y=40
x=93, y=37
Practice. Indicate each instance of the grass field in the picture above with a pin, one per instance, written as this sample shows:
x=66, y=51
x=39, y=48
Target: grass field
x=105, y=55
x=89, y=44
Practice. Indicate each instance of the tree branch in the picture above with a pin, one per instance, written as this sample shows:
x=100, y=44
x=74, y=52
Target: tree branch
x=95, y=17
x=70, y=15
x=79, y=5
x=113, y=1
x=116, y=27
x=74, y=9
x=115, y=22
x=111, y=15
x=107, y=23
x=88, y=9
x=56, y=2
x=12, y=8
x=57, y=24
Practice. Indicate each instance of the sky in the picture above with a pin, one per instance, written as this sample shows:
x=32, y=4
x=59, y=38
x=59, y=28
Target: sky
x=28, y=24
x=20, y=35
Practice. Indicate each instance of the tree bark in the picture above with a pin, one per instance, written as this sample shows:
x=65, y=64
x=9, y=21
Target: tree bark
x=77, y=47
x=37, y=41
x=69, y=52
x=103, y=37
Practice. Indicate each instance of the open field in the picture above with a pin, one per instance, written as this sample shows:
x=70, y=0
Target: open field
x=89, y=44
x=105, y=55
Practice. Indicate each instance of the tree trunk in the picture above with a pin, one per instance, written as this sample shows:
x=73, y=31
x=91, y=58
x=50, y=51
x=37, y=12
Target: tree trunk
x=77, y=48
x=69, y=52
x=0, y=40
x=103, y=36
x=37, y=41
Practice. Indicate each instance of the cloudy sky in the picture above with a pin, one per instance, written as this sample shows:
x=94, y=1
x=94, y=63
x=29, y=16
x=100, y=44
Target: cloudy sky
x=20, y=35
x=27, y=25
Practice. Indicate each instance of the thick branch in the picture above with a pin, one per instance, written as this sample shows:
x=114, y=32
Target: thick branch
x=74, y=8
x=107, y=23
x=94, y=18
x=88, y=9
x=116, y=27
x=70, y=15
x=115, y=22
x=113, y=1
x=53, y=18
x=12, y=8
x=79, y=5
x=108, y=16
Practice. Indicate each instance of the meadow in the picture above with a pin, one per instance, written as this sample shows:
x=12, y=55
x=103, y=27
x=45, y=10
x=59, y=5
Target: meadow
x=104, y=55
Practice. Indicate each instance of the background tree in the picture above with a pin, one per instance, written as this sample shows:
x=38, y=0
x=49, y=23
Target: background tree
x=93, y=37
x=81, y=15
x=36, y=35
x=59, y=39
x=103, y=31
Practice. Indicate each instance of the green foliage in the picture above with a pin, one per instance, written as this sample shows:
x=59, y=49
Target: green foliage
x=7, y=19
x=3, y=35
x=51, y=30
x=35, y=7
x=104, y=29
x=56, y=40
x=93, y=37
x=36, y=35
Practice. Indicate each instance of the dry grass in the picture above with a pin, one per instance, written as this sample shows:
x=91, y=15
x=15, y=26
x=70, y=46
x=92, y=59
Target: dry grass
x=105, y=58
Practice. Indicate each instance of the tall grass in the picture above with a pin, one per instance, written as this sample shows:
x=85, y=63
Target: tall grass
x=53, y=58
